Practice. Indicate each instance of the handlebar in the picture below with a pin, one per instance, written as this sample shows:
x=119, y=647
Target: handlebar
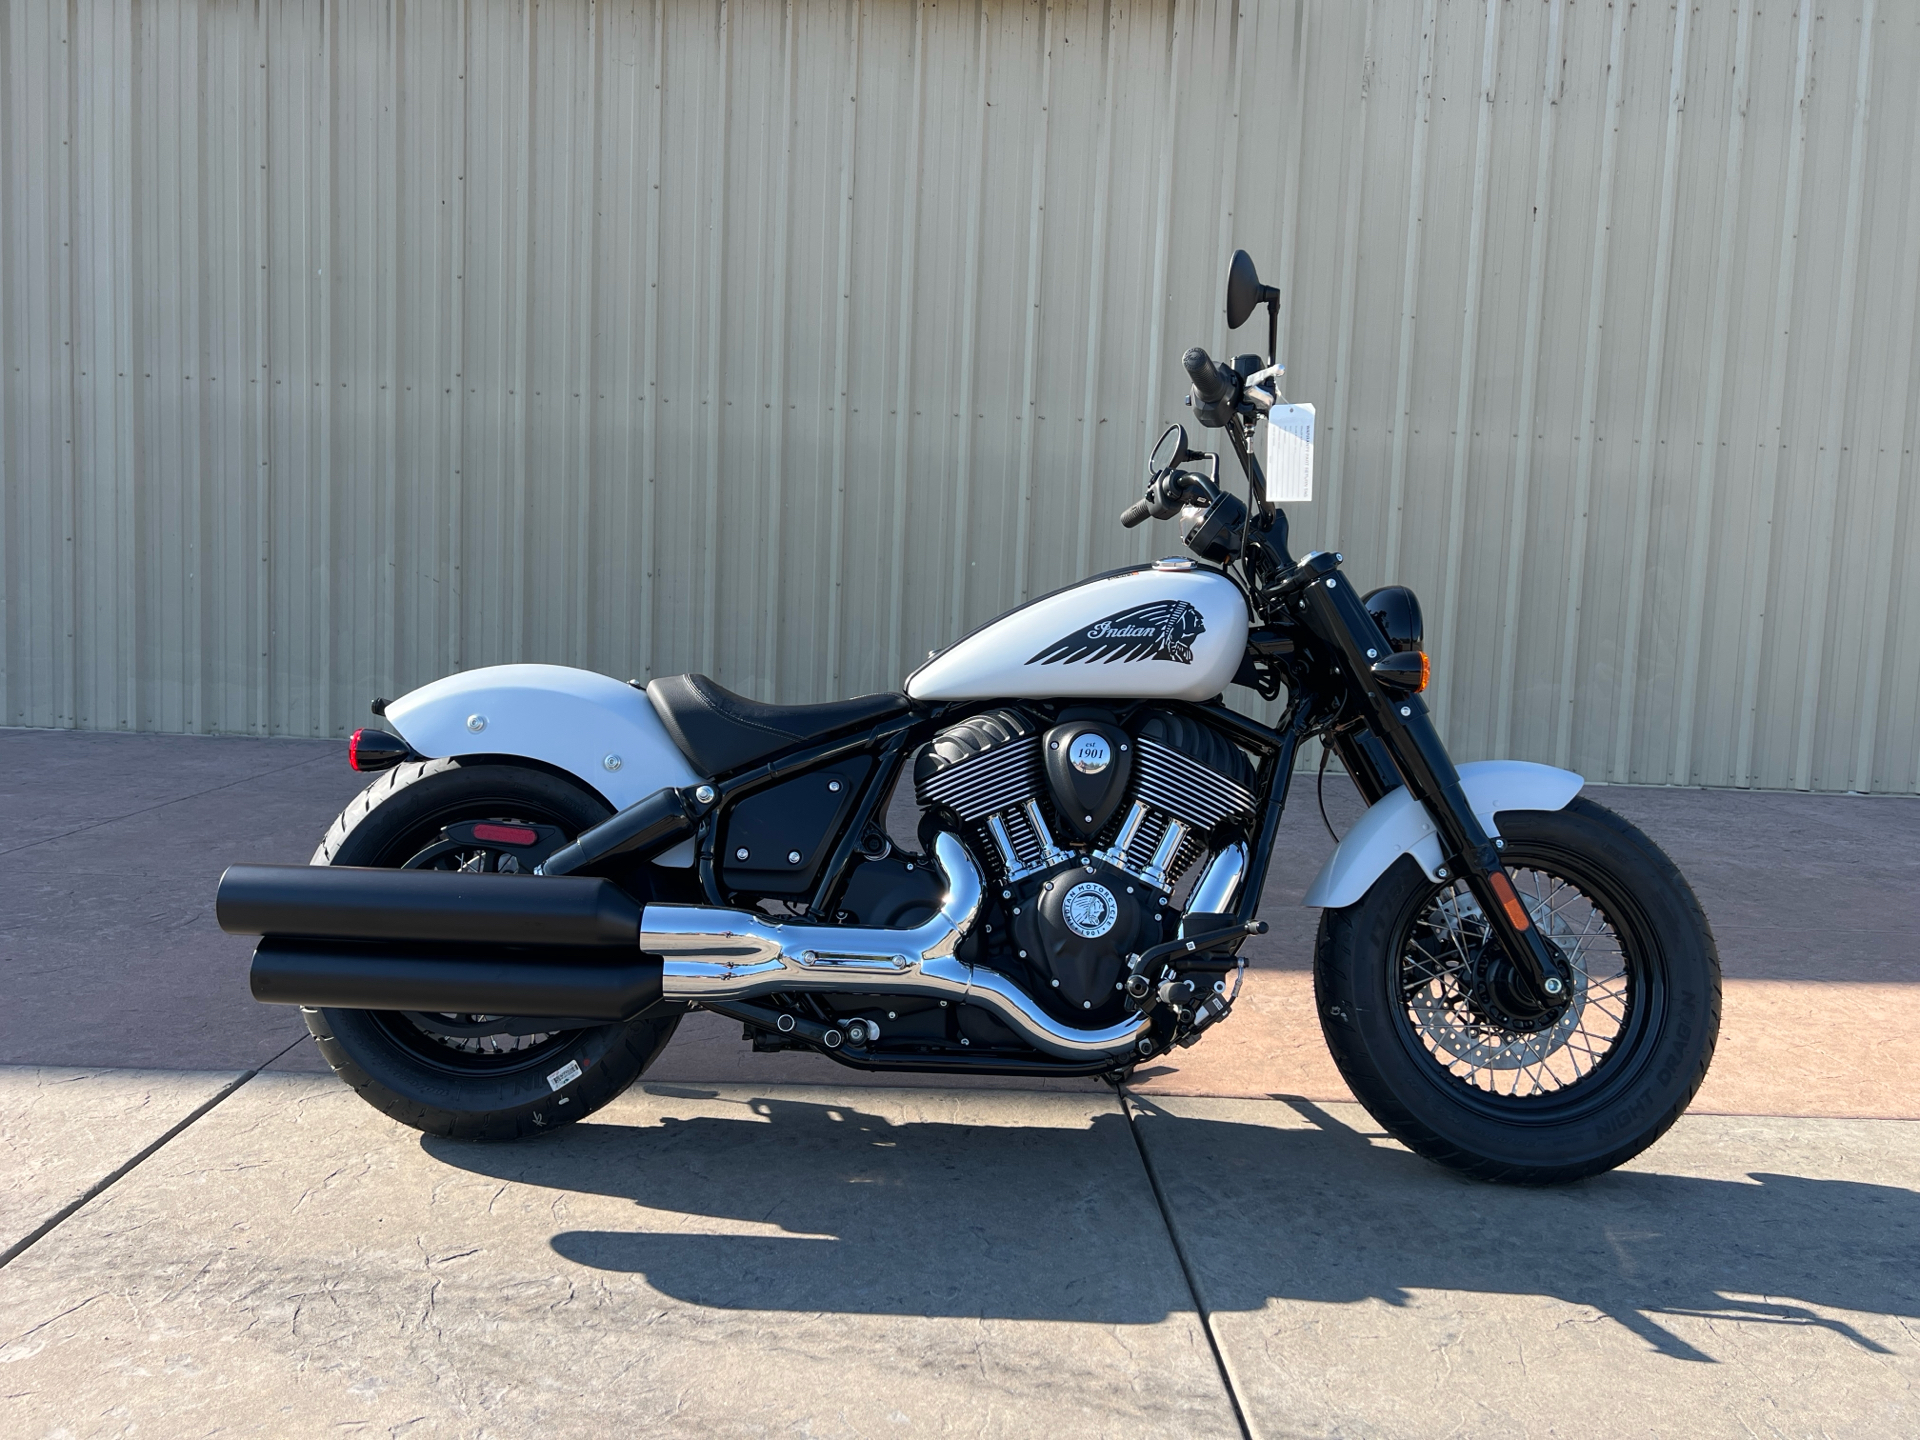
x=1212, y=381
x=1136, y=512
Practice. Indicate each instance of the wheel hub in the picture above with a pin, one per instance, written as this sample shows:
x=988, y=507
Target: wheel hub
x=1500, y=996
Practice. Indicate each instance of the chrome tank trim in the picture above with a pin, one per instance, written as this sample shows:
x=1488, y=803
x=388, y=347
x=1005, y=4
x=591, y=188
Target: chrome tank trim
x=710, y=954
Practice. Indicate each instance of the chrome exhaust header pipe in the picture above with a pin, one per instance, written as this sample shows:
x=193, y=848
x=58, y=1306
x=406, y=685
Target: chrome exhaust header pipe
x=710, y=954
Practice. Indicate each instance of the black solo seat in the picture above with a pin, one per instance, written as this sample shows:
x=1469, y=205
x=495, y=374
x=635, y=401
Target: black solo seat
x=720, y=731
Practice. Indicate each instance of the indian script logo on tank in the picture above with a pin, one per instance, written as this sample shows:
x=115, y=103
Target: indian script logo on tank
x=1164, y=630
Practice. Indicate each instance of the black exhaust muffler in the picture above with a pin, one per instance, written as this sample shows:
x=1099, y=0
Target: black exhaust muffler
x=575, y=982
x=343, y=902
x=440, y=941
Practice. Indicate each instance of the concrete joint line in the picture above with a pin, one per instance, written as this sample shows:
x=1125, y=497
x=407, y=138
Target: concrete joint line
x=100, y=1186
x=1186, y=1268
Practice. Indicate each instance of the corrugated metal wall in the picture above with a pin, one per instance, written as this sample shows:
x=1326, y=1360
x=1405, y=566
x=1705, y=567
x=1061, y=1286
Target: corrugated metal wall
x=347, y=344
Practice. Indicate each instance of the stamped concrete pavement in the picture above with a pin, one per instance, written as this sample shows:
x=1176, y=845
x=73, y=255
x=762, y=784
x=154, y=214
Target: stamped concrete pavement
x=717, y=1261
x=1745, y=1277
x=738, y=1260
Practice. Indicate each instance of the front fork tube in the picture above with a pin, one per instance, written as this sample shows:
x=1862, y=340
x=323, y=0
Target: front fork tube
x=1334, y=613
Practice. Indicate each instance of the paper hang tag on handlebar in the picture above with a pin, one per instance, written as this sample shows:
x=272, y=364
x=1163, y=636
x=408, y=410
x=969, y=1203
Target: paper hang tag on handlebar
x=1290, y=454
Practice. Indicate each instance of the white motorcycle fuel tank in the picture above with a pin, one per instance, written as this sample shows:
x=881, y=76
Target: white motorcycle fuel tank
x=1170, y=631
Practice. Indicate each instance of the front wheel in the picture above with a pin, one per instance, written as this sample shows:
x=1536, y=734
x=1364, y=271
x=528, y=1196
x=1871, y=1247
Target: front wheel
x=1424, y=1018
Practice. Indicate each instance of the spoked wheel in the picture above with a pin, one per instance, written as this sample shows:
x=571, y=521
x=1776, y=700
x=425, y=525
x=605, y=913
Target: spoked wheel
x=1467, y=1010
x=481, y=1077
x=1455, y=1058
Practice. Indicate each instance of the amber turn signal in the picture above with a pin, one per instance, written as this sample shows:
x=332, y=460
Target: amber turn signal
x=1406, y=671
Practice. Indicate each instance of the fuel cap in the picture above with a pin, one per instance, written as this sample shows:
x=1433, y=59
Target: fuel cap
x=1173, y=562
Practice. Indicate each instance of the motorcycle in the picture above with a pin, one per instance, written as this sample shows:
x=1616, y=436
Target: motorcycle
x=551, y=867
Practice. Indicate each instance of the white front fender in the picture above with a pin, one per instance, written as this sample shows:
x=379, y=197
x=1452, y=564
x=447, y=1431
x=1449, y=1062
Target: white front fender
x=1398, y=824
x=602, y=732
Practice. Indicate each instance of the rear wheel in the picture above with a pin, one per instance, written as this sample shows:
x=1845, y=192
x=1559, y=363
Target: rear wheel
x=476, y=1077
x=1434, y=1035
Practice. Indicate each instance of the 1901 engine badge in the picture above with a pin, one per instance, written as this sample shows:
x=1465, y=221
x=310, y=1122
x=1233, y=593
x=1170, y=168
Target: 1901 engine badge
x=1090, y=754
x=1090, y=910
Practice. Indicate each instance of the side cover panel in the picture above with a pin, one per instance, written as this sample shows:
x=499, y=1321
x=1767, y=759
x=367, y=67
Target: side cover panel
x=1137, y=635
x=1397, y=824
x=598, y=730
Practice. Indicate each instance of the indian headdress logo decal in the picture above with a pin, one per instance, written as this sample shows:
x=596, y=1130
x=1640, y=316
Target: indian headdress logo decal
x=1164, y=630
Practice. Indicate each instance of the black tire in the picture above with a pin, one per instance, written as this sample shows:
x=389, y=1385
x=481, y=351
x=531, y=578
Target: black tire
x=422, y=1080
x=1391, y=995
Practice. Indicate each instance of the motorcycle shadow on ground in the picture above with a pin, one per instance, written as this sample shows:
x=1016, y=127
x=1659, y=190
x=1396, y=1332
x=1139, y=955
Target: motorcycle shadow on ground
x=835, y=1209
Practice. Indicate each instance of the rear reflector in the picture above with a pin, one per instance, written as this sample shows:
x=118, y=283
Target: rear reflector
x=376, y=750
x=505, y=834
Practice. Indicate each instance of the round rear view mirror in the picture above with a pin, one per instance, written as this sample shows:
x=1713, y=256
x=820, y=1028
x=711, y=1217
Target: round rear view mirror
x=1169, y=452
x=1244, y=290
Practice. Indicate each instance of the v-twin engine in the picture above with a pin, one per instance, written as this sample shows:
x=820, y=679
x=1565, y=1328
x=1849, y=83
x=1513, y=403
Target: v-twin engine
x=1087, y=827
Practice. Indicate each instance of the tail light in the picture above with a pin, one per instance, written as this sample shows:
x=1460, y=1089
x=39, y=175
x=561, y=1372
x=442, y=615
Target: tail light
x=376, y=750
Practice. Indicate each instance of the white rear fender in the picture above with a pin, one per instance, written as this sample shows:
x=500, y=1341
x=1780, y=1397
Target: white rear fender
x=601, y=732
x=1398, y=824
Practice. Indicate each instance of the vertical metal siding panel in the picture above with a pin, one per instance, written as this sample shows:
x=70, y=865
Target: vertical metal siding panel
x=1771, y=441
x=1817, y=642
x=1015, y=94
x=1401, y=420
x=1885, y=720
x=99, y=54
x=1456, y=511
x=1128, y=357
x=715, y=132
x=15, y=200
x=1880, y=405
x=1526, y=420
x=826, y=683
x=647, y=382
x=41, y=591
x=1693, y=610
x=778, y=150
x=1587, y=417
x=966, y=330
x=903, y=359
x=1810, y=361
x=1639, y=538
x=354, y=283
x=426, y=264
x=1340, y=416
x=95, y=461
x=864, y=404
x=617, y=324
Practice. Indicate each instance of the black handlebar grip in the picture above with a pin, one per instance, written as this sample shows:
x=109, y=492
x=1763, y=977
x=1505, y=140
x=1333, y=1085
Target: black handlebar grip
x=1135, y=513
x=1210, y=385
